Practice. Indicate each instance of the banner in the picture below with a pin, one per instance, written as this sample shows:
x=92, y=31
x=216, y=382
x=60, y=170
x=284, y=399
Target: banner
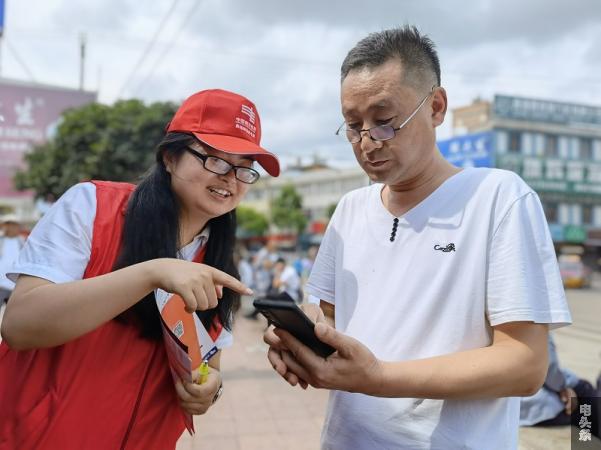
x=1, y=17
x=31, y=115
x=470, y=150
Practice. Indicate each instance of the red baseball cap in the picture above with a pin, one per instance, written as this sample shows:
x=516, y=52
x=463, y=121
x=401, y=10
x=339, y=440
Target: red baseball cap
x=227, y=122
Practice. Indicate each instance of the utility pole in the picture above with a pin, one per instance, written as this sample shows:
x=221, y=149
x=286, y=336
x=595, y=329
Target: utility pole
x=82, y=59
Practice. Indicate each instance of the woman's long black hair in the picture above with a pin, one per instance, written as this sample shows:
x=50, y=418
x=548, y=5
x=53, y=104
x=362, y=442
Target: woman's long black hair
x=151, y=230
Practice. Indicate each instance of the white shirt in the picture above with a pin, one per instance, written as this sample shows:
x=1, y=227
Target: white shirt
x=11, y=246
x=409, y=299
x=59, y=247
x=291, y=282
x=246, y=272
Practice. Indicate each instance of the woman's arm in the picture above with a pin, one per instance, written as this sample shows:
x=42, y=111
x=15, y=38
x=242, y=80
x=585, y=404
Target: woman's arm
x=44, y=314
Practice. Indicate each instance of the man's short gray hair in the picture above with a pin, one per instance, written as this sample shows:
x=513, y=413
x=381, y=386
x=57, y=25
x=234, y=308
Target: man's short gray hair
x=415, y=51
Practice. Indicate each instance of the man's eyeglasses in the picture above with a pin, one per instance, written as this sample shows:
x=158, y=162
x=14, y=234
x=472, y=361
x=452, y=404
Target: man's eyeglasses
x=222, y=167
x=380, y=132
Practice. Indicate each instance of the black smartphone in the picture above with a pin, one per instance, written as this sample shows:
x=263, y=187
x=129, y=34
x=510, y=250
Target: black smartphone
x=287, y=315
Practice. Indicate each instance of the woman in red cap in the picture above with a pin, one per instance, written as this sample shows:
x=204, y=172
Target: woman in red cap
x=82, y=363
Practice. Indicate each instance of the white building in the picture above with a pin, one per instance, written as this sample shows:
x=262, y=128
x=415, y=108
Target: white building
x=319, y=188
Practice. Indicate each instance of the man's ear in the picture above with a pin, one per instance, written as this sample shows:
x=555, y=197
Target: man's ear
x=439, y=106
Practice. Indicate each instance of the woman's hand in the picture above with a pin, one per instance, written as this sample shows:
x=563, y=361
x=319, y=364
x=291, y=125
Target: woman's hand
x=200, y=286
x=198, y=398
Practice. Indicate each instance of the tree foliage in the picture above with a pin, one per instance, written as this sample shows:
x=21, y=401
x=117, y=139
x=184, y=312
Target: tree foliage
x=97, y=141
x=287, y=210
x=331, y=209
x=251, y=222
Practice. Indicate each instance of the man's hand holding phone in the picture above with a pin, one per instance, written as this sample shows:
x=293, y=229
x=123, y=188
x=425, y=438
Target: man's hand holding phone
x=352, y=367
x=276, y=348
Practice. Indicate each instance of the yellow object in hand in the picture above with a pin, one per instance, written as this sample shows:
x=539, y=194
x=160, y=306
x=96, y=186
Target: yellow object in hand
x=203, y=372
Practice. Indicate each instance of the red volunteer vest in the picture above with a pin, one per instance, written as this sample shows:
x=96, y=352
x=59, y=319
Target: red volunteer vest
x=108, y=389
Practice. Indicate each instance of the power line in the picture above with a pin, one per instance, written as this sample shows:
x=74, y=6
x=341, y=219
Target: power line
x=149, y=47
x=189, y=14
x=20, y=60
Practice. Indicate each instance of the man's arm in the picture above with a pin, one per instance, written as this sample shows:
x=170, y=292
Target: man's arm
x=43, y=314
x=328, y=312
x=515, y=364
x=555, y=380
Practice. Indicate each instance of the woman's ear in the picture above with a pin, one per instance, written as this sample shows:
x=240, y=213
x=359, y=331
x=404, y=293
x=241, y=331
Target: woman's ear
x=168, y=161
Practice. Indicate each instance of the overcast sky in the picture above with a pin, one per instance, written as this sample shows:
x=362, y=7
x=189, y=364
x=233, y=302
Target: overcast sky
x=285, y=56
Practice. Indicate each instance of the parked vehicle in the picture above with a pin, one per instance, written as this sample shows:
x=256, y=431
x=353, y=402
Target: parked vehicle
x=574, y=273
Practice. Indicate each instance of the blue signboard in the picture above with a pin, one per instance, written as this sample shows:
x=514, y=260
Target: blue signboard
x=556, y=232
x=470, y=150
x=1, y=16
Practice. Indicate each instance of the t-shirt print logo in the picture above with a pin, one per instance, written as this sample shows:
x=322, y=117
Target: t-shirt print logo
x=448, y=248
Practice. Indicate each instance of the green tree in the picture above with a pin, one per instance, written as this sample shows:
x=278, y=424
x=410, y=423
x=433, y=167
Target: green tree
x=96, y=141
x=331, y=209
x=251, y=222
x=287, y=210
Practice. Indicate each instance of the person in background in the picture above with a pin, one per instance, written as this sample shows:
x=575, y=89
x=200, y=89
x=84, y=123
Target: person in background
x=245, y=268
x=559, y=397
x=11, y=243
x=269, y=252
x=263, y=262
x=304, y=264
x=43, y=205
x=285, y=279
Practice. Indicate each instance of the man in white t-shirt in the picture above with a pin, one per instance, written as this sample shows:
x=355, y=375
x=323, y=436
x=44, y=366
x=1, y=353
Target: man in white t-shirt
x=436, y=285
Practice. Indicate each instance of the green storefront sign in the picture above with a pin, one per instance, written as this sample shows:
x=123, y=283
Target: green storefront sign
x=574, y=234
x=582, y=178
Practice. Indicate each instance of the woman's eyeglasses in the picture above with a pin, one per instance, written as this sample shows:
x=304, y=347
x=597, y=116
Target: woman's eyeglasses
x=222, y=167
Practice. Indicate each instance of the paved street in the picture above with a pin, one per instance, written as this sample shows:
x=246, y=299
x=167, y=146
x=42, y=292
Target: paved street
x=259, y=411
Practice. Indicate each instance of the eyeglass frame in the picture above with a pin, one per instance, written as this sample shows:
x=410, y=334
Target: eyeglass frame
x=405, y=122
x=203, y=158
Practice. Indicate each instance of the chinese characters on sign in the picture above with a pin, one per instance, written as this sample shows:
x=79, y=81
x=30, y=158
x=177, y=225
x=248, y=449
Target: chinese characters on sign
x=519, y=108
x=472, y=150
x=30, y=114
x=556, y=175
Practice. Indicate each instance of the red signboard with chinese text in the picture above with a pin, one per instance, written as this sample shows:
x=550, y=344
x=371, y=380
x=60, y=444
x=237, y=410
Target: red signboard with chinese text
x=29, y=114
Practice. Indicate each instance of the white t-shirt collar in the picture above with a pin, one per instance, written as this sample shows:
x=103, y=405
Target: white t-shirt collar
x=200, y=240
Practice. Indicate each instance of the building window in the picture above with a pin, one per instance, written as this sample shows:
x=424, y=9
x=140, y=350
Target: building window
x=587, y=215
x=551, y=146
x=597, y=216
x=563, y=214
x=586, y=148
x=596, y=149
x=551, y=212
x=514, y=142
x=576, y=214
x=501, y=141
